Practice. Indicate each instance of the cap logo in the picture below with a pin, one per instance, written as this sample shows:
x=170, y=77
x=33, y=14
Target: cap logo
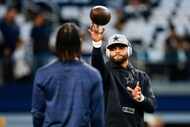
x=116, y=38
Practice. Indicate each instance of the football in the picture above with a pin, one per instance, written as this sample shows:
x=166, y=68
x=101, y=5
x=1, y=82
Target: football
x=100, y=15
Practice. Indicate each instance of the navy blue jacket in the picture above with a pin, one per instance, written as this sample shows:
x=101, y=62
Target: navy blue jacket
x=10, y=33
x=68, y=94
x=121, y=109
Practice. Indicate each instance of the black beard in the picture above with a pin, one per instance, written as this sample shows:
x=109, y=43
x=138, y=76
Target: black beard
x=120, y=61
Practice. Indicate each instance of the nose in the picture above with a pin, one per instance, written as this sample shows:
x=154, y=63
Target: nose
x=117, y=49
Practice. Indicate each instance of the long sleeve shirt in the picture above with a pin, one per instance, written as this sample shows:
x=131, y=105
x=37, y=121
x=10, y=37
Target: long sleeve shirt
x=68, y=94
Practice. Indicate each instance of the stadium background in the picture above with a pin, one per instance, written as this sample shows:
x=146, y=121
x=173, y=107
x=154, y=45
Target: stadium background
x=159, y=31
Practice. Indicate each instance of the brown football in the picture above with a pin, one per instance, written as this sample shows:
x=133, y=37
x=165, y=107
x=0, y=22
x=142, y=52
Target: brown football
x=100, y=15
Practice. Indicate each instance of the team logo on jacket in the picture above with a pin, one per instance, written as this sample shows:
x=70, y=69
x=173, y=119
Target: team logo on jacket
x=129, y=80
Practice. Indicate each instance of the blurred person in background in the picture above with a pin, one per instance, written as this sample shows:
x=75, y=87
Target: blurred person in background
x=175, y=56
x=10, y=32
x=40, y=35
x=22, y=58
x=68, y=92
x=128, y=92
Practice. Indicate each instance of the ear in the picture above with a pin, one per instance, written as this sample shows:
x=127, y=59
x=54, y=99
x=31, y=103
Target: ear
x=108, y=53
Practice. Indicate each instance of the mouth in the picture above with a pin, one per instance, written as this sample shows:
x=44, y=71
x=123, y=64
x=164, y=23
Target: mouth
x=118, y=55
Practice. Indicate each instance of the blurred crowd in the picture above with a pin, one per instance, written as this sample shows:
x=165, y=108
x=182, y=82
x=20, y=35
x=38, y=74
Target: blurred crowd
x=158, y=30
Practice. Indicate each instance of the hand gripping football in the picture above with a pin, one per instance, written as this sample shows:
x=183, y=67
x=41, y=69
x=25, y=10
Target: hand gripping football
x=100, y=15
